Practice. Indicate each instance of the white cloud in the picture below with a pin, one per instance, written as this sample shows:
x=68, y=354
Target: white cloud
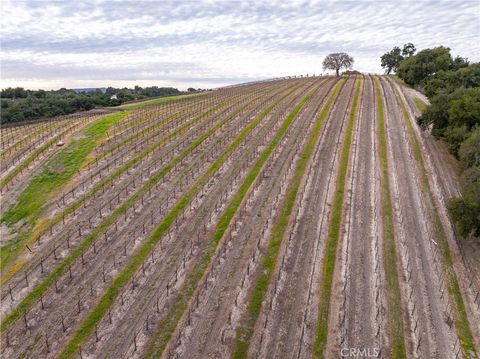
x=193, y=43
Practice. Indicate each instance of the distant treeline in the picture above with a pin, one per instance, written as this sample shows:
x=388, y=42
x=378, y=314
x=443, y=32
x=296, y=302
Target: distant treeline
x=453, y=87
x=19, y=104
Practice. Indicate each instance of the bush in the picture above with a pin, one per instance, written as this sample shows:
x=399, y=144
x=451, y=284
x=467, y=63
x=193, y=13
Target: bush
x=453, y=116
x=466, y=215
x=465, y=211
x=436, y=115
x=453, y=136
x=464, y=109
x=469, y=152
x=449, y=81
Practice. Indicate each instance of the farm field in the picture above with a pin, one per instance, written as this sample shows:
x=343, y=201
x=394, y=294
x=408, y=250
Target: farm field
x=292, y=218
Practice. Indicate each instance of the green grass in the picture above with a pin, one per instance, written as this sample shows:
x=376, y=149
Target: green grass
x=58, y=170
x=149, y=114
x=25, y=163
x=160, y=100
x=169, y=323
x=35, y=294
x=333, y=236
x=458, y=306
x=419, y=104
x=260, y=286
x=107, y=299
x=394, y=304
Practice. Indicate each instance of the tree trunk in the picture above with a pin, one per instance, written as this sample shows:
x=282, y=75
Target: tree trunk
x=337, y=72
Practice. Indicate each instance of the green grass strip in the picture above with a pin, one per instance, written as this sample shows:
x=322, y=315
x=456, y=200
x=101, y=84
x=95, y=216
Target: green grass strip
x=107, y=299
x=420, y=105
x=260, y=286
x=59, y=169
x=458, y=306
x=4, y=181
x=394, y=304
x=333, y=236
x=35, y=294
x=148, y=115
x=168, y=325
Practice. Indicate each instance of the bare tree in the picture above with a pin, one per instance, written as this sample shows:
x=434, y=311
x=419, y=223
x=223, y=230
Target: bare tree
x=337, y=60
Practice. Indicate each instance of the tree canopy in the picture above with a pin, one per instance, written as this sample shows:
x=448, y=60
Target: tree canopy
x=391, y=60
x=459, y=109
x=337, y=61
x=414, y=70
x=19, y=104
x=465, y=210
x=449, y=81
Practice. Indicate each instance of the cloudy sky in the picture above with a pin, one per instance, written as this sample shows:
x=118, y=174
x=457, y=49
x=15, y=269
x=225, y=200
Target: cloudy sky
x=47, y=44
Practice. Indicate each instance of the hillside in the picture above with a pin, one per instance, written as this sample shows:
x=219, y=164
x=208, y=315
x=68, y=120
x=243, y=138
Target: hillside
x=290, y=218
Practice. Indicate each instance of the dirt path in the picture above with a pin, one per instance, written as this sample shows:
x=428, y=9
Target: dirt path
x=290, y=306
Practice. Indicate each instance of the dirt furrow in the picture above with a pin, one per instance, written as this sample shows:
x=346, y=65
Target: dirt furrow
x=359, y=290
x=443, y=174
x=454, y=269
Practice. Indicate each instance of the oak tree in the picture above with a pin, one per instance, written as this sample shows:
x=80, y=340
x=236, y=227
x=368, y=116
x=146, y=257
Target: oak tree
x=337, y=61
x=391, y=59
